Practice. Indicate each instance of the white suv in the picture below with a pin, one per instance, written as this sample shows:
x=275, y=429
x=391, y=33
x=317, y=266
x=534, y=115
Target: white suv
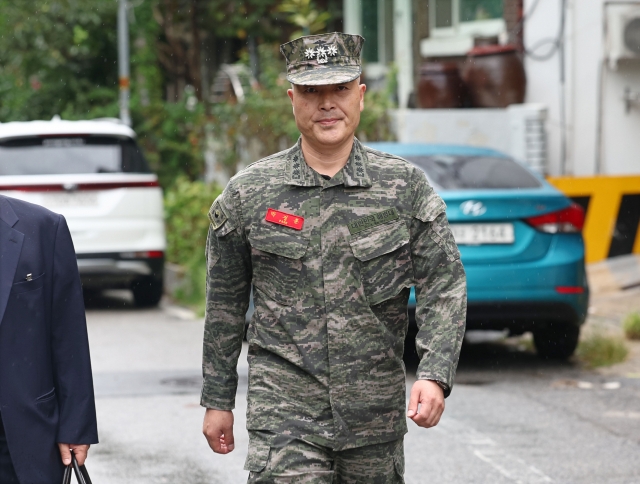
x=94, y=174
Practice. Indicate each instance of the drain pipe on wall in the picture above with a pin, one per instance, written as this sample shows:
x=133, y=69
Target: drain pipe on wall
x=563, y=114
x=556, y=45
x=123, y=62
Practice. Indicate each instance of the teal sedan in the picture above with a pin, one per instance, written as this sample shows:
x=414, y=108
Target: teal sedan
x=520, y=241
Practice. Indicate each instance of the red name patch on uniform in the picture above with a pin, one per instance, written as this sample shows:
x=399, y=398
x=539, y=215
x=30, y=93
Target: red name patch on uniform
x=286, y=219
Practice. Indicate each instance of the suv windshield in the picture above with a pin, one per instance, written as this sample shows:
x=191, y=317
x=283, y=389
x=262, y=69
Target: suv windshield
x=454, y=172
x=64, y=155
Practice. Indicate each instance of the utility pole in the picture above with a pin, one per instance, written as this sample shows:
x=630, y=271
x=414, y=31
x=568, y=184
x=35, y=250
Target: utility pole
x=123, y=61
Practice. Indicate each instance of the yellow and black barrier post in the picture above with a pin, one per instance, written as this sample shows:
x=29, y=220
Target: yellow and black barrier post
x=612, y=206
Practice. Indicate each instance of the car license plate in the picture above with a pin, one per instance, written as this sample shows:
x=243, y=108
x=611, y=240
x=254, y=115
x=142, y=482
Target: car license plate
x=476, y=234
x=70, y=199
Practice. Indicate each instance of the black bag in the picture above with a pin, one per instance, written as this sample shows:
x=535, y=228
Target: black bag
x=82, y=476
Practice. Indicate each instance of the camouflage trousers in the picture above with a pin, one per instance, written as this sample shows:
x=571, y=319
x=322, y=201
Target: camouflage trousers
x=275, y=459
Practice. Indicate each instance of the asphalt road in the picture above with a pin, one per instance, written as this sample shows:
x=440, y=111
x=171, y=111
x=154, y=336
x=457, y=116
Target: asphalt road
x=510, y=419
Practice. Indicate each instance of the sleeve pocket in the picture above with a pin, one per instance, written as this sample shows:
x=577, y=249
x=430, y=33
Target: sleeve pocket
x=220, y=218
x=441, y=234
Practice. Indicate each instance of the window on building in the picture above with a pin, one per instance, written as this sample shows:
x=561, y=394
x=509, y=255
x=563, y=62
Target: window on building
x=454, y=23
x=472, y=10
x=377, y=29
x=444, y=13
x=450, y=13
x=370, y=30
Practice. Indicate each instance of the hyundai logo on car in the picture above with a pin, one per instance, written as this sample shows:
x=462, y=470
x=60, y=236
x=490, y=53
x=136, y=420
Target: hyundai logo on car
x=473, y=208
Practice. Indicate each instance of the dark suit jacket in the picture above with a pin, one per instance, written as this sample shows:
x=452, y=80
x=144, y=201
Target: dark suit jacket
x=46, y=387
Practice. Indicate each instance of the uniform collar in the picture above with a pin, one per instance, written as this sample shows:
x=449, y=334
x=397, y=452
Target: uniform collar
x=355, y=174
x=355, y=171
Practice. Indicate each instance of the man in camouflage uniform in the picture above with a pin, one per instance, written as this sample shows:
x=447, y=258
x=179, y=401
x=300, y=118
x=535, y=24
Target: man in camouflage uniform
x=332, y=235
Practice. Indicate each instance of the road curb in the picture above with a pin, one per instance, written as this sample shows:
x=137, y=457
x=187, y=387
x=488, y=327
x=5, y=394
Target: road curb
x=615, y=274
x=174, y=275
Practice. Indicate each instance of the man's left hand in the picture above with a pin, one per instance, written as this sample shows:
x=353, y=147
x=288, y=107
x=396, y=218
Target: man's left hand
x=430, y=397
x=79, y=450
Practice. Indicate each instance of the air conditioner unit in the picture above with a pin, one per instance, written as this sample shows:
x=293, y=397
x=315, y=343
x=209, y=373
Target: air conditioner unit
x=528, y=140
x=623, y=32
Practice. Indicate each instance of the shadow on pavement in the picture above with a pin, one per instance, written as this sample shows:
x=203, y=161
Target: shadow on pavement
x=502, y=359
x=111, y=300
x=496, y=360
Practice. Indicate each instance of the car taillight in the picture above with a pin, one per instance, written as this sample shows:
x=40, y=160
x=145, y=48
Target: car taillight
x=570, y=290
x=567, y=220
x=155, y=254
x=145, y=254
x=80, y=186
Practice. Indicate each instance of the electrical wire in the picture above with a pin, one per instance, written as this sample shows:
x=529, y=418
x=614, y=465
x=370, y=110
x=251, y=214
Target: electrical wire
x=562, y=67
x=556, y=43
x=553, y=42
x=518, y=26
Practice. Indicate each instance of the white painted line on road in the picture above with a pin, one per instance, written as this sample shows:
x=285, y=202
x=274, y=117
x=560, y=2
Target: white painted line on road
x=487, y=450
x=511, y=467
x=180, y=312
x=611, y=385
x=621, y=414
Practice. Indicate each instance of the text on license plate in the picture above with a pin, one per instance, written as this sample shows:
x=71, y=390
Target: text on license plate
x=72, y=199
x=475, y=234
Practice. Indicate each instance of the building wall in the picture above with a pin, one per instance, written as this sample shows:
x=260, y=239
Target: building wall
x=585, y=39
x=543, y=77
x=589, y=131
x=621, y=130
x=584, y=71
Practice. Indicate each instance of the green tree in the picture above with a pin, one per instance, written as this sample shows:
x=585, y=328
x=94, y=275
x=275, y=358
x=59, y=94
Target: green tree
x=304, y=14
x=57, y=58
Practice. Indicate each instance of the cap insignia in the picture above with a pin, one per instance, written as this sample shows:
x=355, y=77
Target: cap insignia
x=321, y=53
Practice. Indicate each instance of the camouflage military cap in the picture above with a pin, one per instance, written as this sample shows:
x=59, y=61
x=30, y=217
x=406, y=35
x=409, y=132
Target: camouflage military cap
x=315, y=60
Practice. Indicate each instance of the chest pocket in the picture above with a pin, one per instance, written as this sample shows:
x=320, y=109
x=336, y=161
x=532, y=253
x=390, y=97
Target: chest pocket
x=276, y=256
x=384, y=259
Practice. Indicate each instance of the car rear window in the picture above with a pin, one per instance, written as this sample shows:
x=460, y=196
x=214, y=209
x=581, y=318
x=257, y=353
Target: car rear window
x=452, y=172
x=65, y=155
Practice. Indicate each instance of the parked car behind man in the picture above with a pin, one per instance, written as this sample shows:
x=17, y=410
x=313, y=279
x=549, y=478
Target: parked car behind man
x=93, y=173
x=520, y=242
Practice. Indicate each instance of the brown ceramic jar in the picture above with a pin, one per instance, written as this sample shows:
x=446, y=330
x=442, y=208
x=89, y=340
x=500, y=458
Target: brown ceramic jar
x=440, y=86
x=495, y=76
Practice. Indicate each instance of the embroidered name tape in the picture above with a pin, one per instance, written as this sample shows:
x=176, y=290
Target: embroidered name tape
x=364, y=223
x=283, y=218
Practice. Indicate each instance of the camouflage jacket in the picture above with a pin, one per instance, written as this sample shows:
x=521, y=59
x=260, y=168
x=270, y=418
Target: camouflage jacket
x=326, y=338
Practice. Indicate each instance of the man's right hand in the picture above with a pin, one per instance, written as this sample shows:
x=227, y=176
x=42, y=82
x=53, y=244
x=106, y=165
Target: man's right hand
x=218, y=429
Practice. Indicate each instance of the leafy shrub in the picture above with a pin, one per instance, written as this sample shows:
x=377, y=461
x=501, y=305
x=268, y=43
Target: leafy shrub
x=601, y=350
x=186, y=206
x=631, y=325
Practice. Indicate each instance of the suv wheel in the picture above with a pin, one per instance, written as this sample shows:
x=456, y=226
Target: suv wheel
x=147, y=291
x=557, y=341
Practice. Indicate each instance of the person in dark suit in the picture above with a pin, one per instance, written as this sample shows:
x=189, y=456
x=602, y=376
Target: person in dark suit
x=47, y=404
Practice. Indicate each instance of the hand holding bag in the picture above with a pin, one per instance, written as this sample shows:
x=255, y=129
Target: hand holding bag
x=82, y=476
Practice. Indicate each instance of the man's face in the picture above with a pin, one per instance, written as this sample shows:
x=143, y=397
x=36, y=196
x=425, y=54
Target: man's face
x=328, y=115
